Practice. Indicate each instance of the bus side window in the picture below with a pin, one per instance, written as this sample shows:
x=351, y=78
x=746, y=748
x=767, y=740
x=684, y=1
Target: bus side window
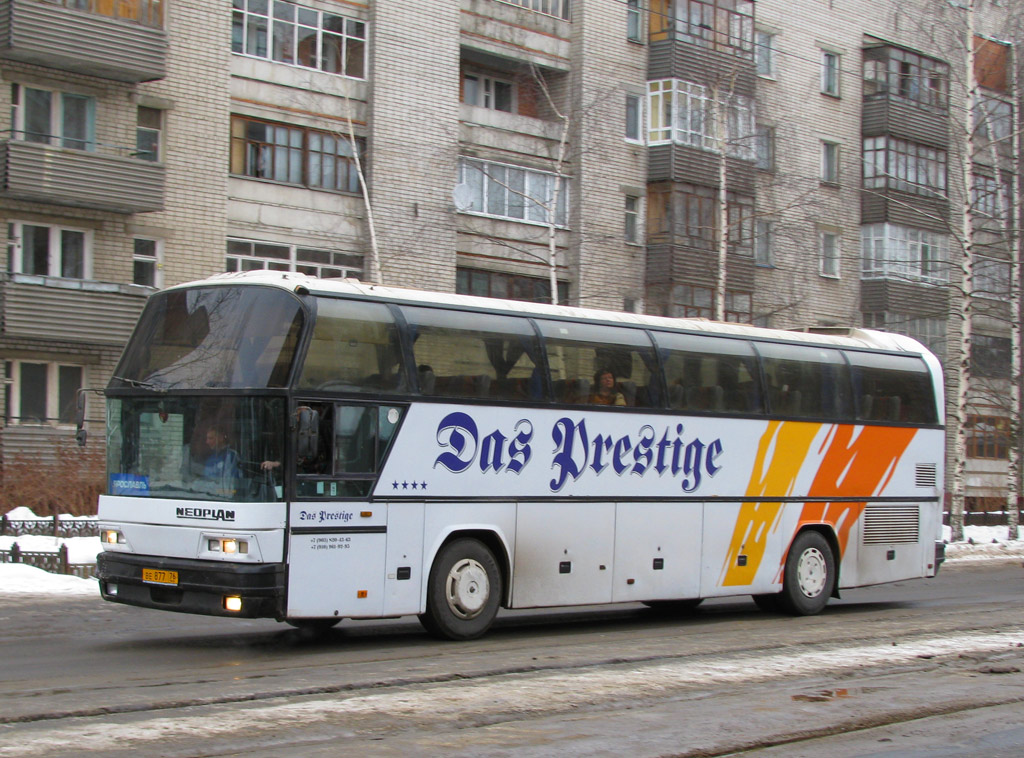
x=892, y=388
x=355, y=348
x=806, y=382
x=579, y=355
x=710, y=374
x=475, y=355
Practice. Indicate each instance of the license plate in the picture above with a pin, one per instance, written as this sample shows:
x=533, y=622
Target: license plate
x=159, y=576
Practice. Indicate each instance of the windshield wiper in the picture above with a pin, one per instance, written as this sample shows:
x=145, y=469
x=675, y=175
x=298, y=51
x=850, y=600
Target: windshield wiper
x=140, y=385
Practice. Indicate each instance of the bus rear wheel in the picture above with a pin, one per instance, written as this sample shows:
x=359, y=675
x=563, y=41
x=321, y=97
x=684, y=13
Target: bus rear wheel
x=809, y=576
x=463, y=591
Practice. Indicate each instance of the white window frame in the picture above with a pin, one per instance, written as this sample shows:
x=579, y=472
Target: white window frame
x=13, y=381
x=634, y=21
x=634, y=118
x=830, y=257
x=158, y=131
x=55, y=130
x=54, y=251
x=556, y=8
x=303, y=21
x=157, y=259
x=483, y=179
x=680, y=111
x=764, y=53
x=893, y=251
x=831, y=66
x=487, y=92
x=764, y=147
x=830, y=157
x=764, y=233
x=631, y=231
x=335, y=268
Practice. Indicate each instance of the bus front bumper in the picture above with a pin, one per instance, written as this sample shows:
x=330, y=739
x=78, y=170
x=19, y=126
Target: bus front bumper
x=202, y=587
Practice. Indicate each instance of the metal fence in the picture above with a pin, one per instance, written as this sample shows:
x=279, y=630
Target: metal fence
x=55, y=563
x=50, y=527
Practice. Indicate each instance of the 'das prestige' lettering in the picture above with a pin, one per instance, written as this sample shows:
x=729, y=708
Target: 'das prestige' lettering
x=577, y=452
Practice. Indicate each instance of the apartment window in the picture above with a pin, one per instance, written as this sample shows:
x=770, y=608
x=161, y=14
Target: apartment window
x=147, y=133
x=557, y=8
x=764, y=147
x=299, y=36
x=723, y=25
x=992, y=118
x=829, y=162
x=634, y=118
x=830, y=73
x=828, y=247
x=251, y=255
x=897, y=164
x=689, y=301
x=632, y=226
x=988, y=199
x=990, y=356
x=892, y=251
x=61, y=119
x=687, y=215
x=685, y=113
x=987, y=436
x=931, y=332
x=894, y=72
x=633, y=20
x=511, y=192
x=532, y=289
x=144, y=12
x=488, y=92
x=146, y=259
x=991, y=278
x=763, y=234
x=764, y=53
x=293, y=155
x=42, y=393
x=49, y=250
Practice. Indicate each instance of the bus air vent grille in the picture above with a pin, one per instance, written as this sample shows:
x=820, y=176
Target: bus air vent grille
x=888, y=524
x=926, y=475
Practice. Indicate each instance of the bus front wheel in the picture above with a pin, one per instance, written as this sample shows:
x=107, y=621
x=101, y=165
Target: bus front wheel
x=810, y=575
x=463, y=591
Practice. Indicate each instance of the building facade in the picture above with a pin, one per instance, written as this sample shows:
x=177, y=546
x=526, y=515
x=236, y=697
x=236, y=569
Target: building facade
x=790, y=164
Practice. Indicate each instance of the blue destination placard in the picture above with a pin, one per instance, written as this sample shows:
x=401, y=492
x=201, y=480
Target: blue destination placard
x=129, y=484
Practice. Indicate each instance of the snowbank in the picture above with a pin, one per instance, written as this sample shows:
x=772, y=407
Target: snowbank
x=19, y=579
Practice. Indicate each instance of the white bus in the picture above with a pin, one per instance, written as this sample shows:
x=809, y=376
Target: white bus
x=311, y=450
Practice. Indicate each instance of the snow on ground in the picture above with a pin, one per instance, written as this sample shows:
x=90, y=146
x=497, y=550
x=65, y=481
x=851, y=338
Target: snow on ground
x=981, y=543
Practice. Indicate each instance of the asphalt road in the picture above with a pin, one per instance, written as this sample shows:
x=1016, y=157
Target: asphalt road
x=927, y=668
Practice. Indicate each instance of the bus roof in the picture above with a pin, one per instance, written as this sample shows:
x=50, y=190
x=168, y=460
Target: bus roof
x=303, y=284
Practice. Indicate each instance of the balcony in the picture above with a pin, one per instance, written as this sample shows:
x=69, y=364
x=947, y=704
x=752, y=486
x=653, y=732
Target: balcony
x=887, y=114
x=68, y=310
x=80, y=178
x=51, y=35
x=524, y=31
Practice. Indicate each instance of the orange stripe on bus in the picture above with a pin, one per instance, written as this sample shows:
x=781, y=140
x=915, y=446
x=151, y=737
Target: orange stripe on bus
x=780, y=456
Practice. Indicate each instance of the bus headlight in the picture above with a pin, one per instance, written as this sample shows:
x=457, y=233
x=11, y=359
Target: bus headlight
x=227, y=545
x=113, y=537
x=232, y=603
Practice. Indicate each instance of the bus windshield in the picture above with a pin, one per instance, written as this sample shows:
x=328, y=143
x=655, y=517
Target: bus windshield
x=213, y=337
x=207, y=448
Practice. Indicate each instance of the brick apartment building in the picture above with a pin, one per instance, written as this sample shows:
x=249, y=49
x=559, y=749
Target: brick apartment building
x=150, y=142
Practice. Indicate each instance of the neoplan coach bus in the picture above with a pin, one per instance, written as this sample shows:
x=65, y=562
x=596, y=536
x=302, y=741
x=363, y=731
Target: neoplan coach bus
x=310, y=450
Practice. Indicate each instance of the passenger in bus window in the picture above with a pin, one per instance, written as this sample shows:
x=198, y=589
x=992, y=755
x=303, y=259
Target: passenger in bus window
x=604, y=391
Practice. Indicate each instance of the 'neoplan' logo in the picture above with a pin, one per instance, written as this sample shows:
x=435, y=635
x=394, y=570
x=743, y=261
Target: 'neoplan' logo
x=206, y=514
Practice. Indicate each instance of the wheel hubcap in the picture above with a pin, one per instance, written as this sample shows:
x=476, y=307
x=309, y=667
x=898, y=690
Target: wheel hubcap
x=467, y=588
x=812, y=572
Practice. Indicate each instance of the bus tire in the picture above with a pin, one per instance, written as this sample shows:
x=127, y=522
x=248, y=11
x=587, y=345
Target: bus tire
x=464, y=590
x=809, y=576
